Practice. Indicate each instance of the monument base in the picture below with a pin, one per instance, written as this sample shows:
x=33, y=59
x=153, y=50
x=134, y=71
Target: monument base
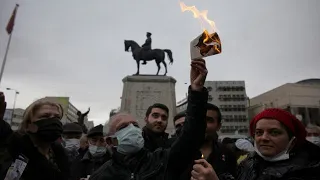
x=140, y=92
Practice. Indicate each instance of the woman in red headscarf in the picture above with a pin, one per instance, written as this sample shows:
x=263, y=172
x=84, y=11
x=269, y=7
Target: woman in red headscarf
x=281, y=149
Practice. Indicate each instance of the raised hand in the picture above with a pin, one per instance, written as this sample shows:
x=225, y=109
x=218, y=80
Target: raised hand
x=198, y=74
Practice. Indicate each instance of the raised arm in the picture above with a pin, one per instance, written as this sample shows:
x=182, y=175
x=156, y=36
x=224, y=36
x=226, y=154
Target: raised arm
x=193, y=132
x=86, y=113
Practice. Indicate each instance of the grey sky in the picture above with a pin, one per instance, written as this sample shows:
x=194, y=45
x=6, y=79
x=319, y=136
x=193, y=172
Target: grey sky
x=75, y=47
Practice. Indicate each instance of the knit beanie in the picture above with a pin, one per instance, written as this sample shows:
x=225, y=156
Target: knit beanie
x=286, y=118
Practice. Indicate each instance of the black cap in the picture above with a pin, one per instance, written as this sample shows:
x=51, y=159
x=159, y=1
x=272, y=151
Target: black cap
x=72, y=128
x=96, y=131
x=179, y=115
x=149, y=34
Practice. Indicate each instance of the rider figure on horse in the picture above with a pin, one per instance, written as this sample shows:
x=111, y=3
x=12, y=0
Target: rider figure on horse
x=146, y=47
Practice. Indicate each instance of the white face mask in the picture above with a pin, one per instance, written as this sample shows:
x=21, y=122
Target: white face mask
x=314, y=139
x=130, y=140
x=72, y=144
x=97, y=151
x=284, y=155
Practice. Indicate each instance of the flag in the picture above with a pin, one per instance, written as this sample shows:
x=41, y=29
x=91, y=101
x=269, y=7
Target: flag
x=10, y=24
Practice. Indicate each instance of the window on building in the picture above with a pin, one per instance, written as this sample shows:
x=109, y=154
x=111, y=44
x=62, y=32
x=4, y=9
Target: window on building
x=209, y=88
x=210, y=98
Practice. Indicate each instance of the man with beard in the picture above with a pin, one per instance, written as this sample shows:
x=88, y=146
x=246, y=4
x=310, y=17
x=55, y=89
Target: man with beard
x=222, y=160
x=131, y=161
x=156, y=123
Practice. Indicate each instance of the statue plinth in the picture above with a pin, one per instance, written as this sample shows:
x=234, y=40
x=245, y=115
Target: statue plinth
x=140, y=92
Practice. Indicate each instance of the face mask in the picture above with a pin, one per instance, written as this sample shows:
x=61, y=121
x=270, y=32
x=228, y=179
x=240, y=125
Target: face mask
x=72, y=144
x=130, y=140
x=284, y=155
x=97, y=151
x=47, y=130
x=314, y=139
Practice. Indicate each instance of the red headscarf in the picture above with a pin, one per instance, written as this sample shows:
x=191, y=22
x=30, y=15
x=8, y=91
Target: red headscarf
x=286, y=118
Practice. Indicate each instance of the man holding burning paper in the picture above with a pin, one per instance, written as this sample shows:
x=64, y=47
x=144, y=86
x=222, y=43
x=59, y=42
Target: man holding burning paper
x=131, y=161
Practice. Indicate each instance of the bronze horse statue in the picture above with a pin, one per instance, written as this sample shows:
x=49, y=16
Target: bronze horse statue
x=155, y=54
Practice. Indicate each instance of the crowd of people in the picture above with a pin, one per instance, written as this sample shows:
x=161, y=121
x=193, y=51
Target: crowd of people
x=280, y=147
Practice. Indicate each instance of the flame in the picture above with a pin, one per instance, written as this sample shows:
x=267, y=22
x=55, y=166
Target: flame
x=202, y=156
x=202, y=16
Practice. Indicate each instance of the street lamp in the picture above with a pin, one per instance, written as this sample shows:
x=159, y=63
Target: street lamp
x=14, y=102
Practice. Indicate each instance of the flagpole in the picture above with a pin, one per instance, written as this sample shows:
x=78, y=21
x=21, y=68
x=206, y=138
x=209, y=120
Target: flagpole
x=9, y=29
x=5, y=57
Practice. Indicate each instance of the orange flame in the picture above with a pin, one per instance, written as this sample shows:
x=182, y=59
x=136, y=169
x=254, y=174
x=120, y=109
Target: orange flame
x=202, y=16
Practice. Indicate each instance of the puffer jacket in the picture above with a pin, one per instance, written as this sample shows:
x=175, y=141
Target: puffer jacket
x=162, y=163
x=304, y=164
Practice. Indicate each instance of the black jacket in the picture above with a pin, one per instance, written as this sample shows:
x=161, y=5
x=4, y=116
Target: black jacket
x=304, y=164
x=222, y=160
x=5, y=133
x=38, y=167
x=153, y=141
x=85, y=165
x=162, y=163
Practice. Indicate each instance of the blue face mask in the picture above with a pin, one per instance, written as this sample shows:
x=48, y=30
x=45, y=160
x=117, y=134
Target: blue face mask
x=97, y=151
x=130, y=140
x=72, y=144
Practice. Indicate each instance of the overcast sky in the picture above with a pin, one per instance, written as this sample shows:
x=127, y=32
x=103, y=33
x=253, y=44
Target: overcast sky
x=75, y=47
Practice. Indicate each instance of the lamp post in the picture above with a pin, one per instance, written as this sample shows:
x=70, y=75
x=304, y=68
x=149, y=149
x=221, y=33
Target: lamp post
x=14, y=102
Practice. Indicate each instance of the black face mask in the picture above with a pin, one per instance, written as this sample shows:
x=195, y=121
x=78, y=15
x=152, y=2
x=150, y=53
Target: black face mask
x=48, y=130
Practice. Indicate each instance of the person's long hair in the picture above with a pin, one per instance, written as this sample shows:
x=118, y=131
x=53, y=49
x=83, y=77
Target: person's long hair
x=32, y=109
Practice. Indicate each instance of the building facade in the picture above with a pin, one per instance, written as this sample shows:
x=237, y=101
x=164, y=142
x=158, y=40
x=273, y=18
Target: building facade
x=89, y=124
x=70, y=111
x=15, y=118
x=231, y=98
x=182, y=104
x=302, y=99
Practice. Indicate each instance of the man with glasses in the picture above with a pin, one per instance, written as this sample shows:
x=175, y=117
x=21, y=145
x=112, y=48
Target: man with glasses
x=95, y=157
x=222, y=160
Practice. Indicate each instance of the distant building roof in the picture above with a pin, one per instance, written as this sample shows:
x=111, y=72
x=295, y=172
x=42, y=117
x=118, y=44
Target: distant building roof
x=309, y=81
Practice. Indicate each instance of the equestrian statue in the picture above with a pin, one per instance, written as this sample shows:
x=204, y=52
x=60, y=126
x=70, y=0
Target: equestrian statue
x=146, y=53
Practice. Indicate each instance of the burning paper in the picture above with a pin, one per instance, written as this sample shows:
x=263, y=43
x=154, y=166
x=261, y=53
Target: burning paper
x=206, y=44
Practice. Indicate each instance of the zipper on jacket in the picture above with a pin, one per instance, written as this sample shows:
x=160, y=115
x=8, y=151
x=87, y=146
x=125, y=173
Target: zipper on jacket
x=132, y=176
x=153, y=172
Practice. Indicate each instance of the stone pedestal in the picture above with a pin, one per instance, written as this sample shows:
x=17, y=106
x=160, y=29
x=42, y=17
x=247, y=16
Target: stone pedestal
x=140, y=92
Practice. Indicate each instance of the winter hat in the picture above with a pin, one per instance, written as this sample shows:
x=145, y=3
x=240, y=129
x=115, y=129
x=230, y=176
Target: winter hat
x=70, y=128
x=286, y=118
